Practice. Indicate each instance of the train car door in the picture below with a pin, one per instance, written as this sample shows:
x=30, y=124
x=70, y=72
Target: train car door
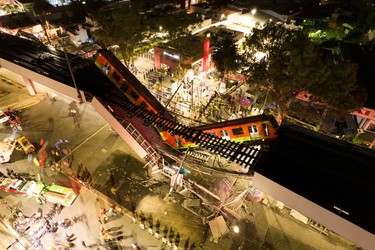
x=265, y=129
x=253, y=130
x=224, y=134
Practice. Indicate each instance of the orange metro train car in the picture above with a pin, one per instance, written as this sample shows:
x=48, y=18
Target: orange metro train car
x=260, y=127
x=127, y=83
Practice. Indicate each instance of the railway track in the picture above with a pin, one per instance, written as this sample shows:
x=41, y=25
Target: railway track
x=246, y=155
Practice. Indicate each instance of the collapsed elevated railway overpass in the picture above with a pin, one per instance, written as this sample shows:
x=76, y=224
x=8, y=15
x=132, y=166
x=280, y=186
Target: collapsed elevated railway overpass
x=326, y=179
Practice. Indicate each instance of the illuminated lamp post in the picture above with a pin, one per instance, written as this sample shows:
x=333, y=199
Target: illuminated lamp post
x=161, y=31
x=73, y=77
x=253, y=12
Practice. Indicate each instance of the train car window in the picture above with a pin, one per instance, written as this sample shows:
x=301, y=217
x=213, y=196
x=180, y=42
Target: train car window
x=143, y=105
x=212, y=134
x=134, y=95
x=124, y=87
x=116, y=76
x=265, y=129
x=106, y=68
x=237, y=131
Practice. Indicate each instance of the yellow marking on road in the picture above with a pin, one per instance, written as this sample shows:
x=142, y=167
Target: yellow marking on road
x=88, y=138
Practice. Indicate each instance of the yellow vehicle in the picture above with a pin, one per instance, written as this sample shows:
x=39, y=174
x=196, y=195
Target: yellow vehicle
x=25, y=145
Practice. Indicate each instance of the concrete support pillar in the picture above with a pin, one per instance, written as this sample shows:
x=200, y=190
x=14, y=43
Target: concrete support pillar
x=361, y=121
x=29, y=85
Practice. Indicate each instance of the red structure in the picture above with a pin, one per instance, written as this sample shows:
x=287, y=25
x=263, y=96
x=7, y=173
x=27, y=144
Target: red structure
x=206, y=53
x=167, y=57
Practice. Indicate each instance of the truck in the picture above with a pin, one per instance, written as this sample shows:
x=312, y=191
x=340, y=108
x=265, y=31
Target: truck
x=42, y=192
x=52, y=193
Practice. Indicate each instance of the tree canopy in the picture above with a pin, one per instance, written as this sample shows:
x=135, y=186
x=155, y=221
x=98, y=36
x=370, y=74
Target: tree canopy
x=123, y=27
x=226, y=56
x=286, y=62
x=130, y=26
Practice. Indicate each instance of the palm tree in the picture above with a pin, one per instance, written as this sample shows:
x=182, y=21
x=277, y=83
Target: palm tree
x=225, y=56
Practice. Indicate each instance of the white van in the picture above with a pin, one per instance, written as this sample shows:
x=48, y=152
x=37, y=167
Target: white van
x=4, y=119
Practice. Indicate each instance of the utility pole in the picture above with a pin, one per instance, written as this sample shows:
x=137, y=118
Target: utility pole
x=178, y=172
x=72, y=75
x=21, y=235
x=170, y=99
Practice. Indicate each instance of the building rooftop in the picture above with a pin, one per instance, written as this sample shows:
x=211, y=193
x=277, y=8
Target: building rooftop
x=17, y=21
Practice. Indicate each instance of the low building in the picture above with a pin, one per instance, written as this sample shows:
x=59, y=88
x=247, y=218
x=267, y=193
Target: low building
x=200, y=8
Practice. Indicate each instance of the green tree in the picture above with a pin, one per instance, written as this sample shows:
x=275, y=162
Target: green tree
x=177, y=28
x=292, y=63
x=339, y=91
x=366, y=18
x=91, y=5
x=226, y=56
x=131, y=27
x=123, y=27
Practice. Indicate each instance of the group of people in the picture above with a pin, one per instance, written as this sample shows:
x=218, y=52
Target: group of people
x=113, y=211
x=37, y=225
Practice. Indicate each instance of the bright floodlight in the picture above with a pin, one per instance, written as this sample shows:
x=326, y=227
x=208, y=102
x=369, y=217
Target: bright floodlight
x=253, y=11
x=160, y=28
x=236, y=229
x=260, y=55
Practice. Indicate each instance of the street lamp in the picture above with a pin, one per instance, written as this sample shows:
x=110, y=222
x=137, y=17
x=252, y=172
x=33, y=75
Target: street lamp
x=253, y=11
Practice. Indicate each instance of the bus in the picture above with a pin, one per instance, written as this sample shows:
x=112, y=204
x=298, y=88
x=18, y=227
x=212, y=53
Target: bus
x=54, y=194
